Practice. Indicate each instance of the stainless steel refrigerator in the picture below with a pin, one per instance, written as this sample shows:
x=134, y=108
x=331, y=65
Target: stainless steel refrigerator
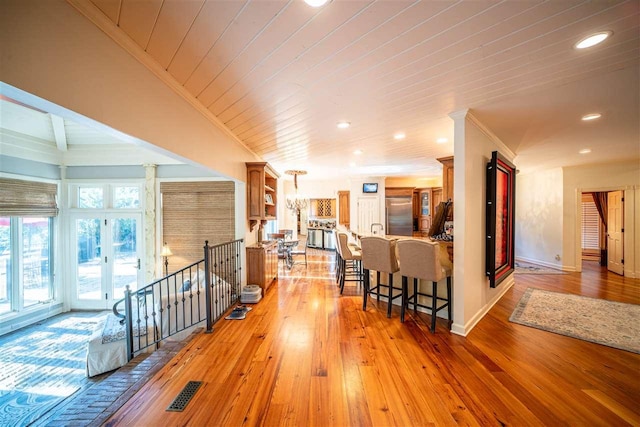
x=399, y=215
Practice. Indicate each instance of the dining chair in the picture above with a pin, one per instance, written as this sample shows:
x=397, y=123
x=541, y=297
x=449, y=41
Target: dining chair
x=379, y=254
x=282, y=250
x=300, y=252
x=421, y=259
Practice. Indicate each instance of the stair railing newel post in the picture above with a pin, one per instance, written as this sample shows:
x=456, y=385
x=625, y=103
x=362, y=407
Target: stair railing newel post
x=207, y=288
x=128, y=313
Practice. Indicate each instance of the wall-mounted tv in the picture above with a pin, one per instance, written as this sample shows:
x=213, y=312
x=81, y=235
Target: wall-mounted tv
x=370, y=187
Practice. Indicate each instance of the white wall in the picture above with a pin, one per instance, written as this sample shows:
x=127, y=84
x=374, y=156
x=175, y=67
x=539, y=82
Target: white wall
x=539, y=217
x=472, y=295
x=602, y=177
x=51, y=51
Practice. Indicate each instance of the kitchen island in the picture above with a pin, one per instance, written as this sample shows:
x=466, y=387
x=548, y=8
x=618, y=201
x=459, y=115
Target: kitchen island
x=446, y=260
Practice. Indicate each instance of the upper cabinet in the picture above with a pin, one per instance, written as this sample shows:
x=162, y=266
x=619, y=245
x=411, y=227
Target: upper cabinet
x=447, y=183
x=323, y=208
x=447, y=178
x=262, y=186
x=343, y=208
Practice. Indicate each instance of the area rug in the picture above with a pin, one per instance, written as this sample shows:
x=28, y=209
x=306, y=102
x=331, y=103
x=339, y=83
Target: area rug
x=43, y=364
x=526, y=268
x=609, y=323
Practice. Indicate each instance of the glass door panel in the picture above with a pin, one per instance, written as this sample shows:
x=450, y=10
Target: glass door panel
x=125, y=258
x=89, y=266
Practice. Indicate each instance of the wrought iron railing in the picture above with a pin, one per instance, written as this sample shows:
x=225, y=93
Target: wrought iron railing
x=184, y=298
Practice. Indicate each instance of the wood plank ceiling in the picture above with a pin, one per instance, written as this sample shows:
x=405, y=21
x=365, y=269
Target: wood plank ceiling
x=280, y=74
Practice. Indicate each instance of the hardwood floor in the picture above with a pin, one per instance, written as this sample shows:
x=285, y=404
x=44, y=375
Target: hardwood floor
x=306, y=355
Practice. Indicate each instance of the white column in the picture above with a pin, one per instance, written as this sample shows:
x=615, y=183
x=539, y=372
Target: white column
x=150, y=222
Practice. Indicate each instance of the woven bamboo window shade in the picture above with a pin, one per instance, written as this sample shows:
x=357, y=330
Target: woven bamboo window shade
x=193, y=212
x=27, y=198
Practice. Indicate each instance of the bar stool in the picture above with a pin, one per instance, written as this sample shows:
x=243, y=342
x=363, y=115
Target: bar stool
x=338, y=265
x=421, y=260
x=348, y=255
x=379, y=254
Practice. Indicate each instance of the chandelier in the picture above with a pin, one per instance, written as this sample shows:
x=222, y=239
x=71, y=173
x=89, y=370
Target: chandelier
x=297, y=203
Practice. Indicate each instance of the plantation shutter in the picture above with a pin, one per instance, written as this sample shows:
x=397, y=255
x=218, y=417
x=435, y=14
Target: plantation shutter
x=590, y=224
x=27, y=198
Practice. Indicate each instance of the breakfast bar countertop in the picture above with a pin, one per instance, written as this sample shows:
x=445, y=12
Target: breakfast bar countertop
x=446, y=246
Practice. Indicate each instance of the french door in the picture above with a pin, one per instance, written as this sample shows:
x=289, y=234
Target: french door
x=107, y=251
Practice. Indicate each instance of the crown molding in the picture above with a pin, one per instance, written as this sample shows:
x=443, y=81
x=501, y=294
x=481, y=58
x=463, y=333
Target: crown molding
x=468, y=115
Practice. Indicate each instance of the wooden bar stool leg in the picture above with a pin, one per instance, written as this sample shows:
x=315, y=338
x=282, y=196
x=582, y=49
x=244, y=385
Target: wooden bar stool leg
x=404, y=297
x=450, y=301
x=434, y=292
x=415, y=295
x=378, y=284
x=366, y=290
x=390, y=300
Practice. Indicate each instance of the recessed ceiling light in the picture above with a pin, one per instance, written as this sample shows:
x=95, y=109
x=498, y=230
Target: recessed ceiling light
x=592, y=116
x=593, y=40
x=316, y=3
x=585, y=151
x=399, y=135
x=357, y=152
x=442, y=140
x=344, y=125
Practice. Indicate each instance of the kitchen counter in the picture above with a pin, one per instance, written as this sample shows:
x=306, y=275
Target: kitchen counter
x=446, y=260
x=446, y=247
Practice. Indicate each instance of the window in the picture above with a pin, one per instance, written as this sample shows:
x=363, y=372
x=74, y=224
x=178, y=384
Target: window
x=105, y=196
x=27, y=211
x=5, y=265
x=36, y=262
x=590, y=225
x=90, y=198
x=26, y=270
x=126, y=197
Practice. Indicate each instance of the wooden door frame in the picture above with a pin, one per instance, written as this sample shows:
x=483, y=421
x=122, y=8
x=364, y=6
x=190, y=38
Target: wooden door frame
x=578, y=222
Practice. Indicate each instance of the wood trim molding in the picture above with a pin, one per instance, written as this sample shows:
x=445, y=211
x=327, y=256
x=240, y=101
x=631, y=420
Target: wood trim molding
x=398, y=191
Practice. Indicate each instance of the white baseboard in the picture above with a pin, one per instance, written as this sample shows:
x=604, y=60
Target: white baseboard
x=546, y=264
x=30, y=318
x=464, y=330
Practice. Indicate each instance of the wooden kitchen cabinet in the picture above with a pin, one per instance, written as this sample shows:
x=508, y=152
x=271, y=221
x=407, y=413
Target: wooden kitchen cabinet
x=343, y=208
x=262, y=187
x=436, y=199
x=415, y=203
x=426, y=208
x=323, y=208
x=262, y=264
x=447, y=178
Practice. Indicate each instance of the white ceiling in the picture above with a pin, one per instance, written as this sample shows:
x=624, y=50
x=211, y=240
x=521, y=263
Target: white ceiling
x=280, y=75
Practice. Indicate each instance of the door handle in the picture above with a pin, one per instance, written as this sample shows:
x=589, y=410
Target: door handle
x=138, y=266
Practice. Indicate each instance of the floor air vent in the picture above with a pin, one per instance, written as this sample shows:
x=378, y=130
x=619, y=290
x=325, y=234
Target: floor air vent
x=182, y=400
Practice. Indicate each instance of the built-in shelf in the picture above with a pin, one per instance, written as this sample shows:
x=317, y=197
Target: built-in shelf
x=262, y=200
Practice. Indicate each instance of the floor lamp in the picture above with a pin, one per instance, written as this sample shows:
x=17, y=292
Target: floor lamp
x=166, y=253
